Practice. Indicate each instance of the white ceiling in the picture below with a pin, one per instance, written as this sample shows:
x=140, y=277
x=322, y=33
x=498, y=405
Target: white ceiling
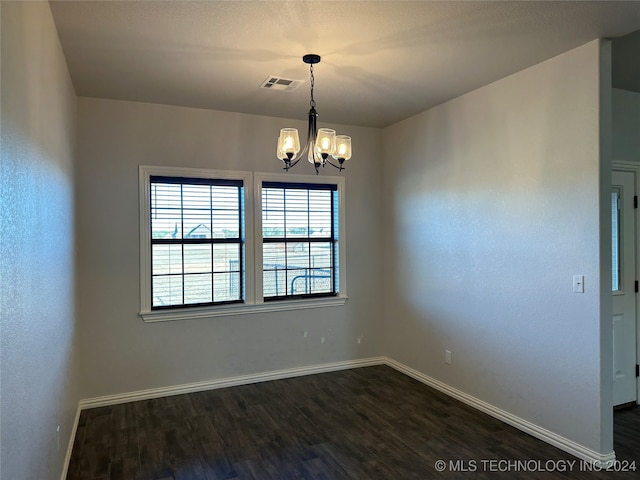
x=382, y=61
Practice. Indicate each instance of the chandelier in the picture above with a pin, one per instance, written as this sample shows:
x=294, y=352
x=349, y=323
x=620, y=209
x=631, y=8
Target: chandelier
x=322, y=143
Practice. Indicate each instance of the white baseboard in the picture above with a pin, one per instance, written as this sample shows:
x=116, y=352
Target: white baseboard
x=227, y=382
x=532, y=429
x=67, y=457
x=543, y=434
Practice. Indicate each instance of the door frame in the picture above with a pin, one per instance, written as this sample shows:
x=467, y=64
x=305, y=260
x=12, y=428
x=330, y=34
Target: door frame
x=634, y=168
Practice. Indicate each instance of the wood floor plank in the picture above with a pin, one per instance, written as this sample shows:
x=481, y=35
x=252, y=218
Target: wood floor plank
x=363, y=424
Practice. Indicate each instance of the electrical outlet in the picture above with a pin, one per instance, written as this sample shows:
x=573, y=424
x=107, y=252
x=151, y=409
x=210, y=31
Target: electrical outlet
x=578, y=283
x=447, y=357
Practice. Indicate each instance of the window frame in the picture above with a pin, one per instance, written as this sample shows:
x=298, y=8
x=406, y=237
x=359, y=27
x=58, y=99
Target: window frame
x=252, y=268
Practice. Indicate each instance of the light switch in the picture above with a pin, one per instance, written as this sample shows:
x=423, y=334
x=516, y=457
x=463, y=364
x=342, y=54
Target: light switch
x=578, y=283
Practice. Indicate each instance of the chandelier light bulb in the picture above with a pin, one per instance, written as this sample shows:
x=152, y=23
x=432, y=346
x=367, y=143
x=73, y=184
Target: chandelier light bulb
x=343, y=148
x=288, y=142
x=326, y=142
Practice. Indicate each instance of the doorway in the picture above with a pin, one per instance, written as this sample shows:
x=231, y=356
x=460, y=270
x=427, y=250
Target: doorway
x=624, y=285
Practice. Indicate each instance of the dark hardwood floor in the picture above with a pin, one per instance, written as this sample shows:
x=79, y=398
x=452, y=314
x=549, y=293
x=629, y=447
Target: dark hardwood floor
x=365, y=423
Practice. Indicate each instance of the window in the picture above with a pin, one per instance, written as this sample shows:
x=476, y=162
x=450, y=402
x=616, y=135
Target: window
x=225, y=242
x=299, y=240
x=615, y=239
x=196, y=241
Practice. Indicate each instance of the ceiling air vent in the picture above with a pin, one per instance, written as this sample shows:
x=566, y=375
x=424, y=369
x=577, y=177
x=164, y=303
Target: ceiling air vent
x=281, y=84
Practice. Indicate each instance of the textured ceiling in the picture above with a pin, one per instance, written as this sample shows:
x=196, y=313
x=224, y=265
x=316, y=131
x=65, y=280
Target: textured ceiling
x=382, y=61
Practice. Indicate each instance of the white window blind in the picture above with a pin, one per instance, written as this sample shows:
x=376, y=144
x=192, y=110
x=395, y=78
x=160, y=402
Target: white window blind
x=196, y=241
x=300, y=240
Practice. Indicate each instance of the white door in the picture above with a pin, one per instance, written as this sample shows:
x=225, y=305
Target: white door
x=623, y=287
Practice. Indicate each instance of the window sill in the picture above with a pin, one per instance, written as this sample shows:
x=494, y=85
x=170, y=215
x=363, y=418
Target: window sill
x=240, y=309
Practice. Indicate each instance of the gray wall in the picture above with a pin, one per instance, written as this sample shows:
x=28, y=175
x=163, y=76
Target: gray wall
x=121, y=353
x=626, y=126
x=39, y=391
x=493, y=204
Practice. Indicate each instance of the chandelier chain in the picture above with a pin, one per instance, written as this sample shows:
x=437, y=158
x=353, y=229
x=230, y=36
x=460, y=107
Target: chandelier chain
x=312, y=102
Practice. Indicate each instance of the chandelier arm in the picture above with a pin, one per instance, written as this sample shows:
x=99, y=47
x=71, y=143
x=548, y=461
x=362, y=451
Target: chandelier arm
x=339, y=167
x=313, y=131
x=291, y=163
x=311, y=135
x=294, y=161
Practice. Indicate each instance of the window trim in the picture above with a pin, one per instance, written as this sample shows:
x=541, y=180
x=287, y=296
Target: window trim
x=253, y=303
